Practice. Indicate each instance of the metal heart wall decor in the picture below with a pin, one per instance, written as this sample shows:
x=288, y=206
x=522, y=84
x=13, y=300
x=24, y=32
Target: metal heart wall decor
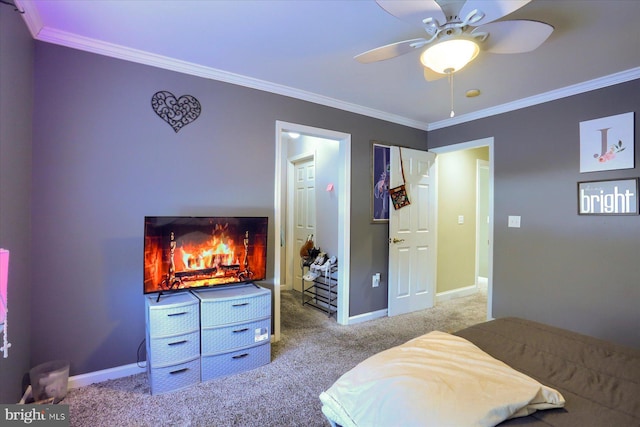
x=178, y=112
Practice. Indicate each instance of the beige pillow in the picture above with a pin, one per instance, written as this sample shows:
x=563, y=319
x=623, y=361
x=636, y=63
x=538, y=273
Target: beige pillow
x=437, y=379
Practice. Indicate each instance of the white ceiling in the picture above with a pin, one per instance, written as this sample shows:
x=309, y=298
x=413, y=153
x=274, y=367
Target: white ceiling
x=305, y=49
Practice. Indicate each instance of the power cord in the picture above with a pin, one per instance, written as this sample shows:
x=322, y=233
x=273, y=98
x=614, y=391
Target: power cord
x=139, y=359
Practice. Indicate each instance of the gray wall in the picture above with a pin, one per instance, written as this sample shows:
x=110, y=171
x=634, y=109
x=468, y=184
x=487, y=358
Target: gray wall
x=577, y=272
x=102, y=160
x=16, y=103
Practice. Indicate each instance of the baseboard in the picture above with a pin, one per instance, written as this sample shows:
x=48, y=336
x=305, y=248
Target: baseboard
x=456, y=293
x=104, y=375
x=360, y=318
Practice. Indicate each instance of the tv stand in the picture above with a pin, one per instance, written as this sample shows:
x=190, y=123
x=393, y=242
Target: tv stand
x=172, y=341
x=202, y=334
x=235, y=331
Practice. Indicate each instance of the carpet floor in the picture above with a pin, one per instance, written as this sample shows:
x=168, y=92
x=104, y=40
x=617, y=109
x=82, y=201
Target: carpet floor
x=312, y=353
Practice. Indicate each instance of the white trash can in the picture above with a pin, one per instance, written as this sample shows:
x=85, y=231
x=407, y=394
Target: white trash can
x=50, y=380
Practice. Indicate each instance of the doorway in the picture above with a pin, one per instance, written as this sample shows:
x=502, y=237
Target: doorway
x=461, y=221
x=339, y=189
x=301, y=214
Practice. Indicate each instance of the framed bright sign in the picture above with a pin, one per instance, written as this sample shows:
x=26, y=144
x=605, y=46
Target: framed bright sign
x=609, y=197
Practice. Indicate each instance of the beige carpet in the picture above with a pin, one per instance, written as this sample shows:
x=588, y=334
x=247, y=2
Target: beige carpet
x=313, y=352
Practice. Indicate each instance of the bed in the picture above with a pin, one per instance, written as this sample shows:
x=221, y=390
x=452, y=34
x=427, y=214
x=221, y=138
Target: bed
x=507, y=371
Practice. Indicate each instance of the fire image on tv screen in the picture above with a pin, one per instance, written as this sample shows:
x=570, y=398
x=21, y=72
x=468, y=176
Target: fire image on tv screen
x=195, y=252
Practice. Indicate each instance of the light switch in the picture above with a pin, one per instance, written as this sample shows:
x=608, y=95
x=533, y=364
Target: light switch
x=514, y=221
x=460, y=219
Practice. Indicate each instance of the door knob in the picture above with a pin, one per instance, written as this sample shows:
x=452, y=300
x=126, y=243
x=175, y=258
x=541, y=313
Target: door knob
x=395, y=240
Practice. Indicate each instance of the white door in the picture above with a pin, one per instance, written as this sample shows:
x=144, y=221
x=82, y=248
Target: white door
x=412, y=255
x=304, y=213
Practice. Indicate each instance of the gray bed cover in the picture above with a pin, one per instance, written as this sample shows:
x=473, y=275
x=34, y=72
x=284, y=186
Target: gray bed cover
x=600, y=381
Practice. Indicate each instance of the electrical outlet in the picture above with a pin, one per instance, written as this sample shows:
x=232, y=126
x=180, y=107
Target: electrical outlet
x=375, y=280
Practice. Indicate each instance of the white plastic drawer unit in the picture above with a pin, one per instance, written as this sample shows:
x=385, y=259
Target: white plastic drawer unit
x=234, y=305
x=235, y=330
x=173, y=341
x=207, y=333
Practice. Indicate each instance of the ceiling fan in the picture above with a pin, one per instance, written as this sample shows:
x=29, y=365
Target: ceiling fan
x=456, y=32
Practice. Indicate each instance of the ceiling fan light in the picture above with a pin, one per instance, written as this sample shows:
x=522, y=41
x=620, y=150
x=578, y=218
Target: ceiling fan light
x=449, y=55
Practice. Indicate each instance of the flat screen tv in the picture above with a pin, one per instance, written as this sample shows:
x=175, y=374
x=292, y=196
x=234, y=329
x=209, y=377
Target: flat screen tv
x=195, y=252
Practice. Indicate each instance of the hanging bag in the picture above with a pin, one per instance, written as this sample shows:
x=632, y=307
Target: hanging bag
x=399, y=196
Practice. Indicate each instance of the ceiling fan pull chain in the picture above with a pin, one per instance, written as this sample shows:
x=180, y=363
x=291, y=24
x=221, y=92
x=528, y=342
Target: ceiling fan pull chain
x=451, y=92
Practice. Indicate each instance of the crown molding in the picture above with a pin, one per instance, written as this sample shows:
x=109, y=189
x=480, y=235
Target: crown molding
x=39, y=32
x=31, y=17
x=63, y=38
x=599, y=83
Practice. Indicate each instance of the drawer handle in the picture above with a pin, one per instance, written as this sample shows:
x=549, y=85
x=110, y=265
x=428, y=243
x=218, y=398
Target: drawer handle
x=179, y=371
x=177, y=314
x=241, y=330
x=178, y=342
x=240, y=356
x=241, y=304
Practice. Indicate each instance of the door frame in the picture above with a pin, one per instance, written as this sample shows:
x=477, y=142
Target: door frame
x=290, y=241
x=343, y=191
x=480, y=165
x=484, y=142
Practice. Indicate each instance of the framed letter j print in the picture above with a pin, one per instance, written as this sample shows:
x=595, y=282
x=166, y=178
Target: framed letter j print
x=607, y=143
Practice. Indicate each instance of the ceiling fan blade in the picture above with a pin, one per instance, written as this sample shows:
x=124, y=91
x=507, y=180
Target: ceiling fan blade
x=413, y=11
x=516, y=36
x=430, y=75
x=492, y=9
x=389, y=51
